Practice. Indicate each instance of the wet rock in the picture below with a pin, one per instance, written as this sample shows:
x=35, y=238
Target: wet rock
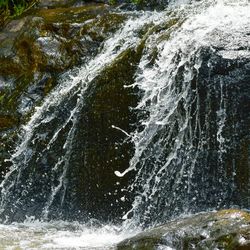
x=124, y=4
x=225, y=229
x=7, y=122
x=36, y=49
x=55, y=3
x=43, y=46
x=222, y=89
x=50, y=42
x=43, y=43
x=104, y=148
x=96, y=151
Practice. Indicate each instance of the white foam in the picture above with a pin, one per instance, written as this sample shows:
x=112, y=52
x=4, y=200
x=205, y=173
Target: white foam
x=60, y=235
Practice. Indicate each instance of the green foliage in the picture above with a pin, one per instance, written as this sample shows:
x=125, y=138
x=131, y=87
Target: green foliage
x=112, y=2
x=18, y=9
x=4, y=3
x=15, y=7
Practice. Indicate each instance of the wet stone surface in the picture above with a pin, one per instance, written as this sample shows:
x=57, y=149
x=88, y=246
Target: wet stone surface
x=225, y=229
x=40, y=45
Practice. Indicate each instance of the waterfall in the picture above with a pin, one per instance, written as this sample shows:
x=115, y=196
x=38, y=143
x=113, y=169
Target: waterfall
x=189, y=128
x=41, y=161
x=183, y=143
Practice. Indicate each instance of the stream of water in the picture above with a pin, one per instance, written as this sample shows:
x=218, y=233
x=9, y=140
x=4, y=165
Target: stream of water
x=173, y=143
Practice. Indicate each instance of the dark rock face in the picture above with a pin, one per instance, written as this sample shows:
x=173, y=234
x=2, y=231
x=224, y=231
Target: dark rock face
x=222, y=86
x=226, y=229
x=103, y=148
x=226, y=94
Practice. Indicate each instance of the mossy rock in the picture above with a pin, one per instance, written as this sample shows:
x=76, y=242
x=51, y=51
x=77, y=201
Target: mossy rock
x=225, y=229
x=71, y=14
x=97, y=151
x=7, y=122
x=29, y=44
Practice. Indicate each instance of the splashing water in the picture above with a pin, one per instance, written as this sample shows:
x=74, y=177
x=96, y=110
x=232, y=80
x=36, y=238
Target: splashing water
x=179, y=158
x=38, y=143
x=172, y=149
x=59, y=235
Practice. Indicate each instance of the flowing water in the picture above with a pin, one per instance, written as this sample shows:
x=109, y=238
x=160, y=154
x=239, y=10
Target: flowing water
x=183, y=143
x=59, y=235
x=172, y=149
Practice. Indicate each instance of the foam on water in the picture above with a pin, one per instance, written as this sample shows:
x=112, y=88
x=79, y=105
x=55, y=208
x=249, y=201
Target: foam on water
x=60, y=235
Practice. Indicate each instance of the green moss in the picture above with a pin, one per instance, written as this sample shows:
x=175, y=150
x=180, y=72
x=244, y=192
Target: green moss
x=7, y=122
x=1, y=97
x=214, y=230
x=10, y=9
x=168, y=28
x=228, y=242
x=21, y=85
x=101, y=26
x=9, y=67
x=50, y=84
x=30, y=55
x=145, y=244
x=112, y=2
x=137, y=2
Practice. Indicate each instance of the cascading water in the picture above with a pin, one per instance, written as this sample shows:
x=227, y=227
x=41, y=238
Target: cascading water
x=190, y=129
x=186, y=141
x=40, y=168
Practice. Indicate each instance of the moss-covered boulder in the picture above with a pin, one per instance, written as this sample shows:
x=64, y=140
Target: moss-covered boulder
x=225, y=229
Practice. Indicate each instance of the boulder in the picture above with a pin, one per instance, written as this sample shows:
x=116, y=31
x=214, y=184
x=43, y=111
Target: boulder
x=225, y=229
